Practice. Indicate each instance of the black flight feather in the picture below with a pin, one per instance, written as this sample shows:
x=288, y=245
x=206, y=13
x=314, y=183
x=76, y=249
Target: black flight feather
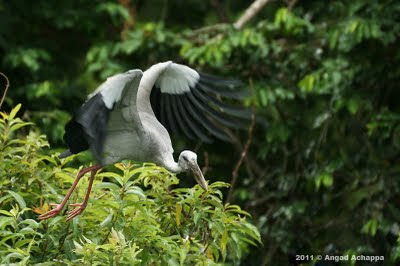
x=75, y=137
x=225, y=120
x=179, y=119
x=191, y=122
x=239, y=95
x=204, y=121
x=221, y=83
x=155, y=95
x=199, y=113
x=209, y=125
x=88, y=127
x=170, y=117
x=224, y=108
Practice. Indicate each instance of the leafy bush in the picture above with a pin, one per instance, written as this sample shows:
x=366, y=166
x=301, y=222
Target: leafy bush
x=322, y=179
x=134, y=217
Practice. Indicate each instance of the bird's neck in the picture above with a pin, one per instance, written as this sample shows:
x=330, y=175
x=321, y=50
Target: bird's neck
x=147, y=82
x=173, y=167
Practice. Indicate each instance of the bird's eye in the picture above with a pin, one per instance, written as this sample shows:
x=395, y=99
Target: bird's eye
x=185, y=159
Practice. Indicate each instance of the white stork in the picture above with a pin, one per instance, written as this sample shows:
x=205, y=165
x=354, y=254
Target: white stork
x=127, y=117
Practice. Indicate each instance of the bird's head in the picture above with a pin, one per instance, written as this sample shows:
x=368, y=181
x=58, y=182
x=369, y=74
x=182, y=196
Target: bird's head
x=188, y=162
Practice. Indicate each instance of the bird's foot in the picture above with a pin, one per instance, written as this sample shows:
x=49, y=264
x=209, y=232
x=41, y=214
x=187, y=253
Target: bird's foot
x=51, y=213
x=80, y=207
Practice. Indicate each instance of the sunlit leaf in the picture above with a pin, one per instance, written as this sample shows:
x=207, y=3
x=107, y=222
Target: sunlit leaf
x=14, y=111
x=178, y=213
x=18, y=198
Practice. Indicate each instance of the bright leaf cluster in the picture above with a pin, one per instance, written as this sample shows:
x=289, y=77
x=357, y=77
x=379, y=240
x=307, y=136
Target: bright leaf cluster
x=134, y=216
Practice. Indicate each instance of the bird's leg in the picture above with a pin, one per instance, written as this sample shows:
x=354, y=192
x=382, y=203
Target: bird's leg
x=59, y=207
x=80, y=207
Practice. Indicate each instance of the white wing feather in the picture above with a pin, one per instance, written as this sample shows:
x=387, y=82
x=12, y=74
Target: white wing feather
x=177, y=79
x=112, y=88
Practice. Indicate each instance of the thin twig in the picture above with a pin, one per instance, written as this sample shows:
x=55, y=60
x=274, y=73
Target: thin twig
x=130, y=22
x=235, y=171
x=205, y=167
x=207, y=29
x=164, y=11
x=322, y=136
x=269, y=254
x=253, y=166
x=250, y=12
x=62, y=240
x=258, y=201
x=5, y=90
x=292, y=4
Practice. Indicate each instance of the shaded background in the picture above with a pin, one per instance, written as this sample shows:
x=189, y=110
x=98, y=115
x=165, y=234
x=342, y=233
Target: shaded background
x=322, y=179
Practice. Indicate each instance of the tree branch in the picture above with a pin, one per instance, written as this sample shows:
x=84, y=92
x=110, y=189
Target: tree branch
x=211, y=28
x=292, y=4
x=205, y=167
x=5, y=90
x=130, y=22
x=235, y=171
x=250, y=12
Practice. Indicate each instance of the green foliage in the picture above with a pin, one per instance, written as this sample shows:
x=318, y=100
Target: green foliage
x=323, y=178
x=134, y=216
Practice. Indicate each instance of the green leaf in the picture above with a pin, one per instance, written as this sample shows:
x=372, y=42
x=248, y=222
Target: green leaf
x=178, y=213
x=65, y=176
x=19, y=125
x=18, y=198
x=14, y=255
x=224, y=241
x=136, y=191
x=14, y=111
x=108, y=185
x=6, y=213
x=327, y=180
x=4, y=221
x=219, y=184
x=31, y=223
x=106, y=221
x=115, y=176
x=354, y=197
x=307, y=83
x=22, y=242
x=370, y=227
x=5, y=198
x=353, y=105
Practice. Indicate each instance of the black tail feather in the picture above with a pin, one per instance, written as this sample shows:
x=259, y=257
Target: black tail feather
x=65, y=154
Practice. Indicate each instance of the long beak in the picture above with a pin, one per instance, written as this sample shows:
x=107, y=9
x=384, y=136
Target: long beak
x=198, y=175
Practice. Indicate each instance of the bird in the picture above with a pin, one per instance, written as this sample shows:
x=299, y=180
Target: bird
x=129, y=116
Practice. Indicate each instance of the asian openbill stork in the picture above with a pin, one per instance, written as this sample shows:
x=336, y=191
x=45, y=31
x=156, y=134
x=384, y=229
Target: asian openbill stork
x=127, y=117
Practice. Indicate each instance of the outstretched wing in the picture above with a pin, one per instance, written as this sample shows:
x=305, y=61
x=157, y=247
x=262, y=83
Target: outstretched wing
x=194, y=104
x=105, y=109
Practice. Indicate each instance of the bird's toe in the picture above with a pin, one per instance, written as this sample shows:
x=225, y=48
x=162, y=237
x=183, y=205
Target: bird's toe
x=50, y=214
x=80, y=207
x=74, y=213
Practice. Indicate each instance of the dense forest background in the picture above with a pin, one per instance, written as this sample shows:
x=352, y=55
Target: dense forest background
x=322, y=178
